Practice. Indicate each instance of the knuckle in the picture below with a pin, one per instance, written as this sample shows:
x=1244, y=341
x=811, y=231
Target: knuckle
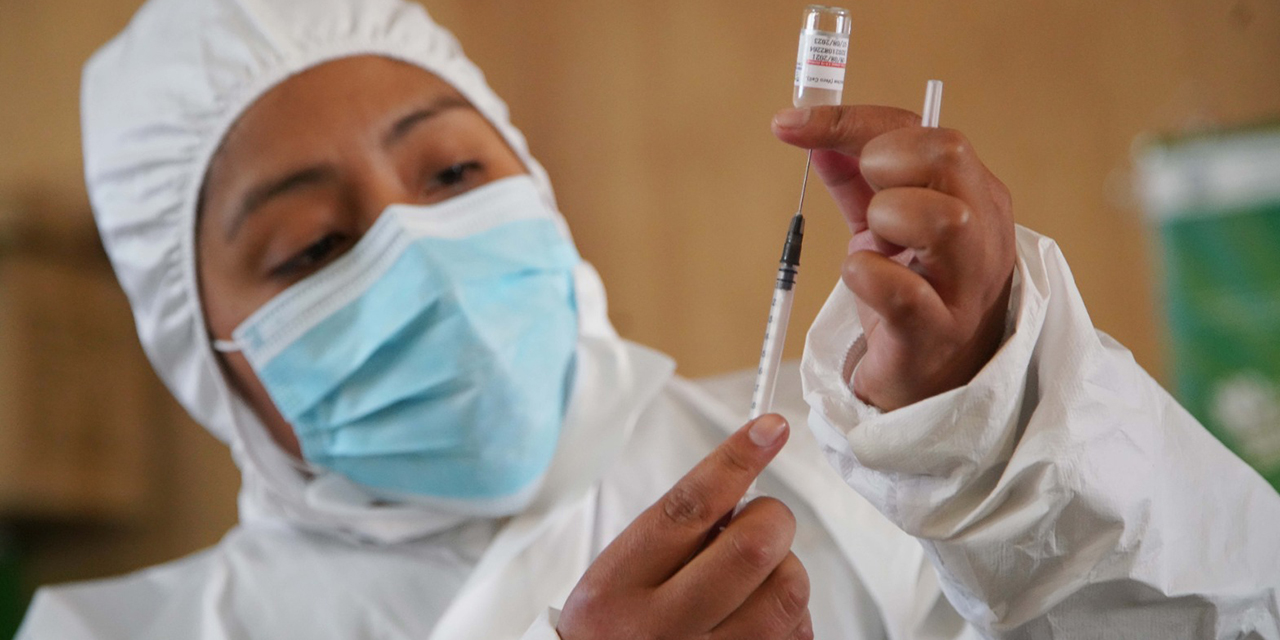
x=849, y=274
x=793, y=588
x=683, y=505
x=584, y=597
x=843, y=123
x=883, y=204
x=754, y=551
x=781, y=519
x=792, y=599
x=877, y=155
x=853, y=268
x=732, y=459
x=586, y=611
x=952, y=219
x=950, y=147
x=804, y=631
x=853, y=274
x=906, y=300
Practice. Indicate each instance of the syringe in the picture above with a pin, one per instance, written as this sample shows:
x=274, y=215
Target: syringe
x=819, y=81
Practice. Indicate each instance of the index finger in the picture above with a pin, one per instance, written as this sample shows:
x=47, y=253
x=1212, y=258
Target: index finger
x=670, y=531
x=844, y=128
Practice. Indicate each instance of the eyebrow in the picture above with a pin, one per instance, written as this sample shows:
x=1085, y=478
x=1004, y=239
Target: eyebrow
x=327, y=173
x=405, y=124
x=260, y=194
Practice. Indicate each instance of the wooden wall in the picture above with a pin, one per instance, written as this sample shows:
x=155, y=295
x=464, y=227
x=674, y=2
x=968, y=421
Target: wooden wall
x=652, y=118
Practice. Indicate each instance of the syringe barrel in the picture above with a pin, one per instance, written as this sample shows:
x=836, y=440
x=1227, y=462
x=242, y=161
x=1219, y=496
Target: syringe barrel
x=771, y=354
x=821, y=58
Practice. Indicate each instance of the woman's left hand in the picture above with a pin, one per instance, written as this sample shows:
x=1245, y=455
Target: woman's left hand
x=932, y=253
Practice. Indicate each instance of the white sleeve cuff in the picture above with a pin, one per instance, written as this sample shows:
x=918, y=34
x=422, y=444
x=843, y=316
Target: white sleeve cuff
x=868, y=447
x=544, y=628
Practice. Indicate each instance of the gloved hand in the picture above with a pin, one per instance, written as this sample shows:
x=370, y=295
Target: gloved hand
x=661, y=578
x=932, y=254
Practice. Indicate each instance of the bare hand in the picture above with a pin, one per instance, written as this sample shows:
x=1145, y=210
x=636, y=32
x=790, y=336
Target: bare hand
x=932, y=253
x=661, y=579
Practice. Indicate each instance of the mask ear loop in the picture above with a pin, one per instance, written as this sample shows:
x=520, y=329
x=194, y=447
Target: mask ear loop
x=309, y=469
x=227, y=346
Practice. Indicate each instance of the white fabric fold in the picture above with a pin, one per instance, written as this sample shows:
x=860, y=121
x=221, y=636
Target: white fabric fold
x=1062, y=492
x=544, y=628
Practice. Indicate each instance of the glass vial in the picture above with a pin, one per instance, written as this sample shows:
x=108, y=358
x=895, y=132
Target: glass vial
x=820, y=62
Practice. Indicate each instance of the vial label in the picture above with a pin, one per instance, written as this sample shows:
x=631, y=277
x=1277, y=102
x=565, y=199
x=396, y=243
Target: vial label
x=820, y=60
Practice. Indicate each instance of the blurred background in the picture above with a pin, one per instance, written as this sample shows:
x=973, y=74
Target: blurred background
x=653, y=119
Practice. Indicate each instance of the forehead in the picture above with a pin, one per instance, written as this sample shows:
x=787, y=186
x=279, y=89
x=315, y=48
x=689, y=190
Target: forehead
x=316, y=109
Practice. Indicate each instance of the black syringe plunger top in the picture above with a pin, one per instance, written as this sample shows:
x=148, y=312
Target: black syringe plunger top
x=795, y=236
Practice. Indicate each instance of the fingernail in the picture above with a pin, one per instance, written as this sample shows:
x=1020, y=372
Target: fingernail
x=766, y=430
x=791, y=118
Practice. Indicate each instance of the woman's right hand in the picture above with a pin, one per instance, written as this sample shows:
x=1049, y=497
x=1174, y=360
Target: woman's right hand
x=661, y=578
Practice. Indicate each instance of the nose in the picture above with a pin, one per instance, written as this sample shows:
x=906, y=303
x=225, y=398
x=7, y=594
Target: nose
x=375, y=188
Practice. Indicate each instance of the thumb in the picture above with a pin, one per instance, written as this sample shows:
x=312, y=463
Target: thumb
x=845, y=128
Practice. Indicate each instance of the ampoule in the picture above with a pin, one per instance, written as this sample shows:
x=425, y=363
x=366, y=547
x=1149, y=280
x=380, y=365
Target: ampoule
x=820, y=62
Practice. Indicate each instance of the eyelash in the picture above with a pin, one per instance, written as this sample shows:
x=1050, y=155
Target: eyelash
x=318, y=252
x=309, y=258
x=453, y=175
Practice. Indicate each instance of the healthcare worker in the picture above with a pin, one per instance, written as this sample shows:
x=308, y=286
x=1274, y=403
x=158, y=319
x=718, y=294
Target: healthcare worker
x=345, y=264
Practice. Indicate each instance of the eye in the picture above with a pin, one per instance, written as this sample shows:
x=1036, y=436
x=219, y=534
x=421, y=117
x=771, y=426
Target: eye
x=311, y=258
x=454, y=177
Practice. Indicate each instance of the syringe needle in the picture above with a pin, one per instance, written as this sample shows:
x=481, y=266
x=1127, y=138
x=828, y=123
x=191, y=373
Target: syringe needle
x=804, y=186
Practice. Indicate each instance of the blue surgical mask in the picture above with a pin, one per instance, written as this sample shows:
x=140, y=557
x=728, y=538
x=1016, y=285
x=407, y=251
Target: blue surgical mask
x=432, y=361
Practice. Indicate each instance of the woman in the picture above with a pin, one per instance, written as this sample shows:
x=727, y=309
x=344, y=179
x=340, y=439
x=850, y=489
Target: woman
x=344, y=262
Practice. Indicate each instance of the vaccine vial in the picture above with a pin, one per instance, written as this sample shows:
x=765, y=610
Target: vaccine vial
x=824, y=49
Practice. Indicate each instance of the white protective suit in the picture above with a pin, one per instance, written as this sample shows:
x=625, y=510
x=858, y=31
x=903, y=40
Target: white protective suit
x=1061, y=494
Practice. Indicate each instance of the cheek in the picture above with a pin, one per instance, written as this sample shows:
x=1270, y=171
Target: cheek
x=225, y=303
x=228, y=294
x=245, y=383
x=243, y=378
x=224, y=309
x=508, y=164
x=213, y=291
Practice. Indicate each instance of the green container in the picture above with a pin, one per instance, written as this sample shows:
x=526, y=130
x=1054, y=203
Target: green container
x=1214, y=200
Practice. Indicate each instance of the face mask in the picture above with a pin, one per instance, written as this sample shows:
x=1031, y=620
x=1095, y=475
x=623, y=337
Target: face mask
x=432, y=362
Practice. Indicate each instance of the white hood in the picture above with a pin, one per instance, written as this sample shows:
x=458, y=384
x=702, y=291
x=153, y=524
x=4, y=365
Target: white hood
x=156, y=103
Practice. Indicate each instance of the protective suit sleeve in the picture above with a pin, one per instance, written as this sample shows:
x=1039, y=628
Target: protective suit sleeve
x=1062, y=493
x=544, y=628
x=49, y=616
